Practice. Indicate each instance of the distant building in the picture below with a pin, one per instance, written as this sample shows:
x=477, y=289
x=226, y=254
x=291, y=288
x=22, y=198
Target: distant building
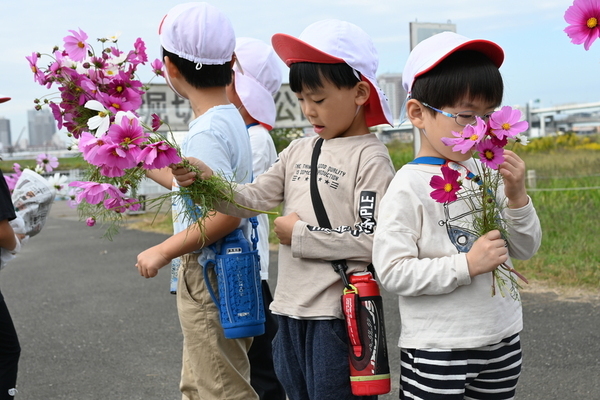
x=391, y=84
x=42, y=127
x=5, y=137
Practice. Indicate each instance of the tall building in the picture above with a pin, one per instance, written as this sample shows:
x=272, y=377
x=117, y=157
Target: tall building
x=5, y=137
x=391, y=84
x=42, y=127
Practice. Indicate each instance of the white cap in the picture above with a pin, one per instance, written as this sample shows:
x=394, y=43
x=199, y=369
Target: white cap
x=332, y=42
x=198, y=32
x=259, y=81
x=4, y=98
x=431, y=51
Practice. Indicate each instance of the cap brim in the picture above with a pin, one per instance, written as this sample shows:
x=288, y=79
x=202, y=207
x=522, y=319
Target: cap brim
x=377, y=110
x=4, y=99
x=256, y=99
x=490, y=49
x=292, y=50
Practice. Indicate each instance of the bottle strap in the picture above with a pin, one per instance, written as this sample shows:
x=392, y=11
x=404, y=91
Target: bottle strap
x=339, y=266
x=350, y=301
x=254, y=234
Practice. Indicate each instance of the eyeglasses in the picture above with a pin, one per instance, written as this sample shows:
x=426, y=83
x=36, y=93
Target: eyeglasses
x=462, y=118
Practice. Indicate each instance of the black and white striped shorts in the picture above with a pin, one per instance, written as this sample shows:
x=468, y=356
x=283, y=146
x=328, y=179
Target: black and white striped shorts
x=484, y=373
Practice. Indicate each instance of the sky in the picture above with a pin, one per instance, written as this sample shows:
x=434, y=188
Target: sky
x=540, y=62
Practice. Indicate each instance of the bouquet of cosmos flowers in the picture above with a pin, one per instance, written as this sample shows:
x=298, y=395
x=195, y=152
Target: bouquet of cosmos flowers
x=99, y=96
x=487, y=142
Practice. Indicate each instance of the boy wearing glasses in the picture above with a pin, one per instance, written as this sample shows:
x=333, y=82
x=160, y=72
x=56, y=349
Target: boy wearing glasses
x=457, y=340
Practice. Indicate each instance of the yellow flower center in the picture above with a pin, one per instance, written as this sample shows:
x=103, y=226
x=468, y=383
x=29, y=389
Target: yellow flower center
x=474, y=137
x=506, y=126
x=448, y=187
x=81, y=45
x=592, y=22
x=489, y=155
x=119, y=89
x=101, y=114
x=34, y=69
x=115, y=105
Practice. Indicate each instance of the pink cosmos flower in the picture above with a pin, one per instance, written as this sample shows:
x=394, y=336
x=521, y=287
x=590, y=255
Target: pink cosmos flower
x=17, y=169
x=446, y=187
x=584, y=19
x=72, y=198
x=38, y=75
x=132, y=204
x=138, y=55
x=506, y=123
x=57, y=114
x=48, y=162
x=76, y=45
x=94, y=192
x=129, y=134
x=114, y=160
x=89, y=146
x=117, y=103
x=469, y=137
x=158, y=155
x=115, y=204
x=11, y=181
x=490, y=154
x=157, y=67
x=156, y=122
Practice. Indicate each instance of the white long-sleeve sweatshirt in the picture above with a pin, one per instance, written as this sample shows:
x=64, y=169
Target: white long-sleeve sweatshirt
x=416, y=256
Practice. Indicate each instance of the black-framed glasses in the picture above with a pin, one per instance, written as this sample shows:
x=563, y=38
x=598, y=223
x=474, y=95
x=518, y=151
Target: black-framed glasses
x=462, y=118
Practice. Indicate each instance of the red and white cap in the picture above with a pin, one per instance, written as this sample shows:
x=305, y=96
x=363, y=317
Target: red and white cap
x=258, y=79
x=433, y=50
x=3, y=98
x=333, y=42
x=198, y=32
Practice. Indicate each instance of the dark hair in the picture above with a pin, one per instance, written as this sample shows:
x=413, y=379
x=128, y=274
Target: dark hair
x=205, y=77
x=306, y=75
x=463, y=74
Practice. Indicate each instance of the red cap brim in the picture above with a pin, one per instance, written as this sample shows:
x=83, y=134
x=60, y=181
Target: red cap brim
x=292, y=50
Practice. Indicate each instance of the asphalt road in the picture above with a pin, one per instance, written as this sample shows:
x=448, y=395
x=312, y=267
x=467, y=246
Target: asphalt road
x=92, y=328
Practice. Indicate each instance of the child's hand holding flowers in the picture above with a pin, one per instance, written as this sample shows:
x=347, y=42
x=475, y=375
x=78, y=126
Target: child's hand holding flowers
x=499, y=168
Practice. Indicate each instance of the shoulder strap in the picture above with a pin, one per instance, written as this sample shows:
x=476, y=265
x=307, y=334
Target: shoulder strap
x=314, y=189
x=339, y=266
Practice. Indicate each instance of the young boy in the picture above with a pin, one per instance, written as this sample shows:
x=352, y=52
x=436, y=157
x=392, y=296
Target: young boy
x=198, y=44
x=332, y=71
x=251, y=92
x=457, y=340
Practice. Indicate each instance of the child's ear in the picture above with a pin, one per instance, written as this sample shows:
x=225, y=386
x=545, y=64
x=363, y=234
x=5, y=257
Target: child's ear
x=363, y=91
x=416, y=113
x=171, y=68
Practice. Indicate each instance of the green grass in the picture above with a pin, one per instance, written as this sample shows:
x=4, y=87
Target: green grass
x=570, y=250
x=64, y=164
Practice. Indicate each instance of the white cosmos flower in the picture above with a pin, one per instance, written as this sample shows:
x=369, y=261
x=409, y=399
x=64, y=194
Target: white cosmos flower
x=114, y=37
x=101, y=121
x=58, y=182
x=39, y=169
x=524, y=140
